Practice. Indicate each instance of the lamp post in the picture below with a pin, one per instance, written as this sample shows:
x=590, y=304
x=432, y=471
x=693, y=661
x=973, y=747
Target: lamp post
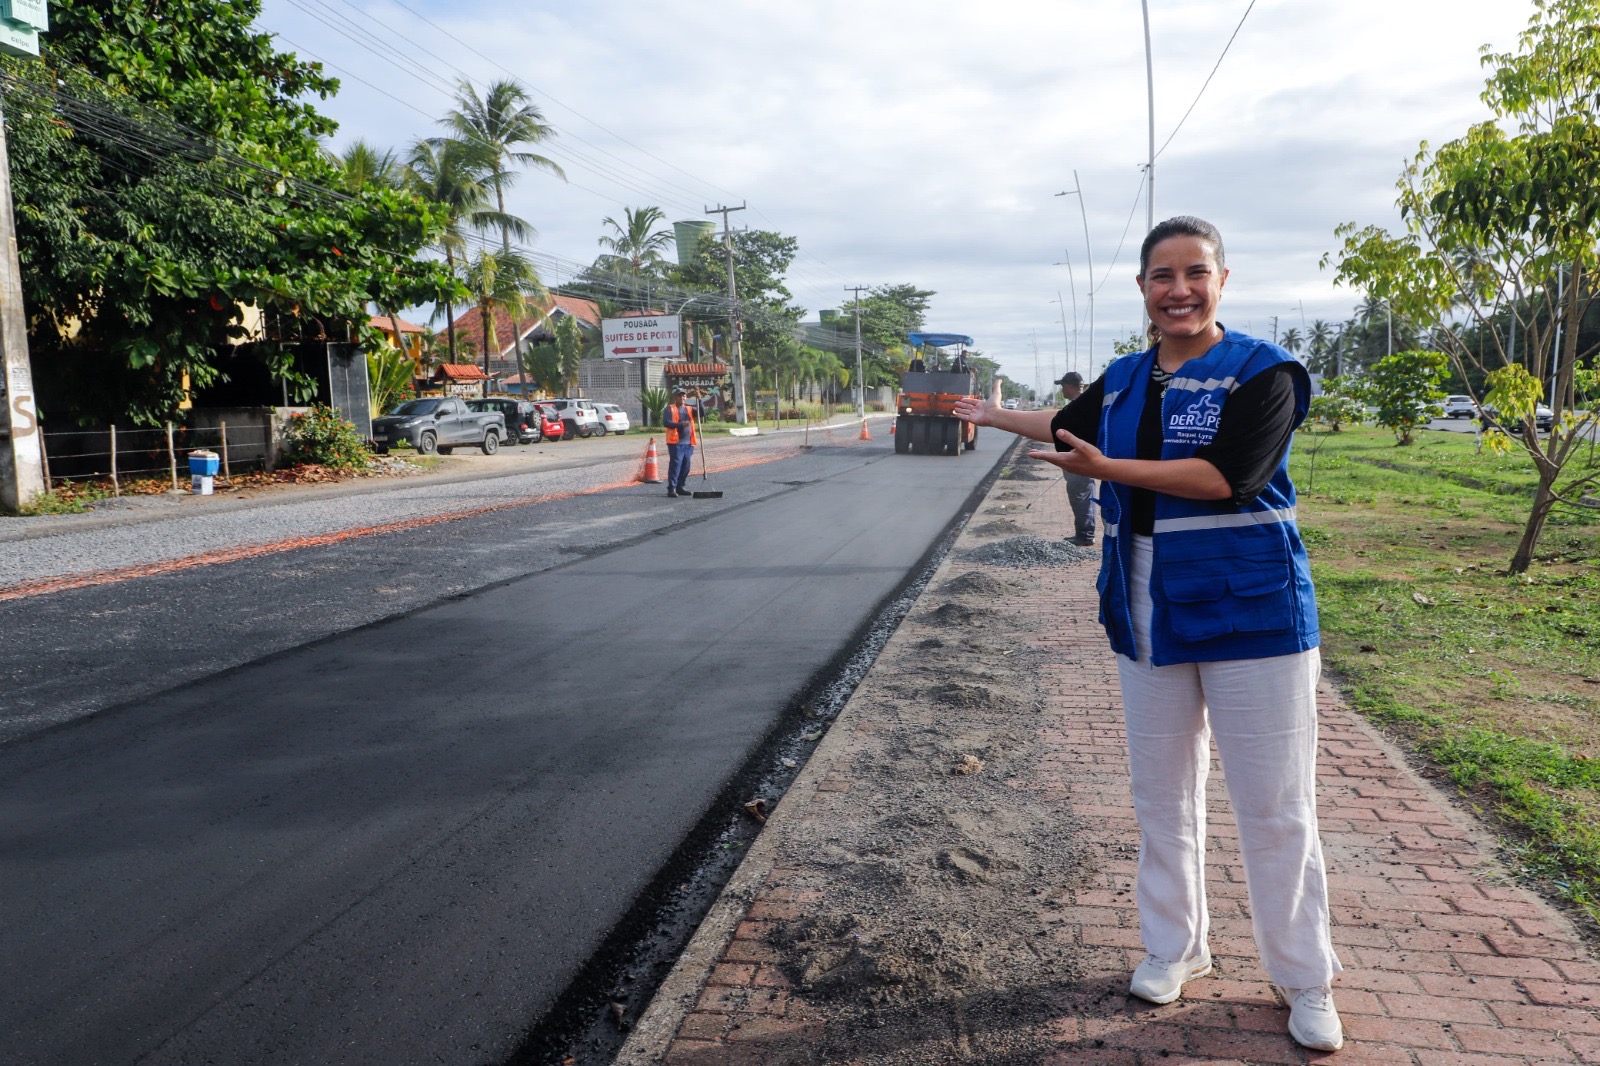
x=1077, y=190
x=1065, y=346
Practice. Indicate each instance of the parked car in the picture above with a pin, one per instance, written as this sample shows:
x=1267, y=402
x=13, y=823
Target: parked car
x=1543, y=419
x=550, y=426
x=438, y=424
x=578, y=416
x=1460, y=407
x=522, y=419
x=613, y=419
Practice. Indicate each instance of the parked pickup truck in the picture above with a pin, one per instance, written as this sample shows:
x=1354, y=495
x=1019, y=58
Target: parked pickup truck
x=438, y=424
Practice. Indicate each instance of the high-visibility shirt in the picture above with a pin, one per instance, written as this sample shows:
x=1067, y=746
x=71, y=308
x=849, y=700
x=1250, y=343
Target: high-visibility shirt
x=678, y=417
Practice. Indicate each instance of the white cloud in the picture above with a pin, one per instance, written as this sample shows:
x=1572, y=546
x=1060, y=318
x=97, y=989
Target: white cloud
x=924, y=142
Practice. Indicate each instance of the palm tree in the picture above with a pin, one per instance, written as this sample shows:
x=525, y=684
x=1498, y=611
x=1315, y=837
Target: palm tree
x=364, y=165
x=500, y=280
x=496, y=123
x=637, y=245
x=1291, y=341
x=452, y=175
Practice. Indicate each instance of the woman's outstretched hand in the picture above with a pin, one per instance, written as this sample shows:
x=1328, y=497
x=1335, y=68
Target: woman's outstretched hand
x=972, y=409
x=1080, y=460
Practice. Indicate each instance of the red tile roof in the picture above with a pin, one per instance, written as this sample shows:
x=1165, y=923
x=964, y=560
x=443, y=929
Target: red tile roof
x=470, y=322
x=462, y=372
x=696, y=370
x=382, y=322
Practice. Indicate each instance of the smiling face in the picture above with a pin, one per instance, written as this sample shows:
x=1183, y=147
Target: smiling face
x=1182, y=285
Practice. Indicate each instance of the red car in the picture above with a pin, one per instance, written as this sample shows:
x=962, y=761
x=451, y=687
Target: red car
x=550, y=426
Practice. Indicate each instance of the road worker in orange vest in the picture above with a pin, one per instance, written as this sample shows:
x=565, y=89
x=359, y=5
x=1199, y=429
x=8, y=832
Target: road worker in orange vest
x=682, y=436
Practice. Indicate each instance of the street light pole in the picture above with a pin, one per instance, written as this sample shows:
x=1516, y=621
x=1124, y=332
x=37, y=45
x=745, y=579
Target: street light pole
x=1150, y=96
x=1077, y=190
x=1065, y=345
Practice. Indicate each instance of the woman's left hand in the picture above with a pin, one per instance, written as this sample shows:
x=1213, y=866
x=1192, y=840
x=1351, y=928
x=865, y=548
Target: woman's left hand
x=1080, y=460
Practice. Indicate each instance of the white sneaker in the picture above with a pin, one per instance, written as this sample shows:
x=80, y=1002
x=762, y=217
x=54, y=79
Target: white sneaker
x=1161, y=981
x=1313, y=1022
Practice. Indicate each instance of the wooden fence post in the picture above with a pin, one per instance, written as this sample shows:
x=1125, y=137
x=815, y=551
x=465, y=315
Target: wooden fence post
x=172, y=458
x=116, y=486
x=224, y=426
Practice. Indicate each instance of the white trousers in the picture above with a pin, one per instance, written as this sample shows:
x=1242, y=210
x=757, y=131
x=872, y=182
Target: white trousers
x=1263, y=713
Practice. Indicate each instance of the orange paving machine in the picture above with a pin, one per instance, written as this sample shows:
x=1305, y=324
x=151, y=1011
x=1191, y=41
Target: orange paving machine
x=925, y=421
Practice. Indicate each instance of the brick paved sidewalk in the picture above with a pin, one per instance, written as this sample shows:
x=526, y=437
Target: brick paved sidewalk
x=1448, y=963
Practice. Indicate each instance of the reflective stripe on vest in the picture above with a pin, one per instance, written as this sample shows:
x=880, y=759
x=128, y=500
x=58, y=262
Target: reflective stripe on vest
x=1224, y=521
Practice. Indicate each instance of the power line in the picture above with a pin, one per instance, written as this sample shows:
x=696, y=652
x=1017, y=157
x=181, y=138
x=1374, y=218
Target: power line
x=1213, y=74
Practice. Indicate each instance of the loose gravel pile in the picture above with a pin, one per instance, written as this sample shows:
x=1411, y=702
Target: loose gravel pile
x=1025, y=553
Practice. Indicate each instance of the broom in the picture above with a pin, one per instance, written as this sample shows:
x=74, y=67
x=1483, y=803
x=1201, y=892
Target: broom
x=704, y=494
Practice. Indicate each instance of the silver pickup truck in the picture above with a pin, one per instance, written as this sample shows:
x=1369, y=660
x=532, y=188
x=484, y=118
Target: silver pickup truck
x=438, y=424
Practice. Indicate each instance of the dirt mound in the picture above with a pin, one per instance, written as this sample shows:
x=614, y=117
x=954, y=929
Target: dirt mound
x=959, y=614
x=1026, y=552
x=1000, y=527
x=1028, y=471
x=976, y=583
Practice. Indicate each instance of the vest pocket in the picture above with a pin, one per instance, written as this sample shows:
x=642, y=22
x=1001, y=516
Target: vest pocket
x=1245, y=592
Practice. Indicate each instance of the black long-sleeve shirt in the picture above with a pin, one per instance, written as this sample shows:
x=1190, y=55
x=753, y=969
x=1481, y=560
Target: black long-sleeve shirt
x=1257, y=421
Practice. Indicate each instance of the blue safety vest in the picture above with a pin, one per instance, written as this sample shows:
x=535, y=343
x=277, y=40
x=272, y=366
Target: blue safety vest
x=1228, y=582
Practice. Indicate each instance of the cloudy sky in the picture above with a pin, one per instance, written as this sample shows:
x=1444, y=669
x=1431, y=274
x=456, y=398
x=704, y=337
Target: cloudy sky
x=925, y=143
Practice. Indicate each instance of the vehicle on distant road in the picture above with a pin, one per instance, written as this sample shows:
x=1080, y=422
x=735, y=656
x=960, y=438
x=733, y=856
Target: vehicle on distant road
x=550, y=427
x=925, y=422
x=1543, y=419
x=613, y=419
x=438, y=424
x=522, y=420
x=1009, y=405
x=578, y=416
x=1460, y=407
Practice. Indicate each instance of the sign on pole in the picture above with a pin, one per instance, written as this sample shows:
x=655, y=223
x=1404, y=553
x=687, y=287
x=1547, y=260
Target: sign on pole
x=642, y=337
x=20, y=24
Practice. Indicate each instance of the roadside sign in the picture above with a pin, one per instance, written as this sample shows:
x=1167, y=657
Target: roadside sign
x=641, y=337
x=33, y=14
x=19, y=40
x=20, y=24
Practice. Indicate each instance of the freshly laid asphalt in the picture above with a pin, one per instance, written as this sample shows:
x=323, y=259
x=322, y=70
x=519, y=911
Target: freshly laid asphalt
x=396, y=840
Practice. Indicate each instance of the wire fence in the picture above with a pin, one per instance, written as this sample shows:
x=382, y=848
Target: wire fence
x=120, y=456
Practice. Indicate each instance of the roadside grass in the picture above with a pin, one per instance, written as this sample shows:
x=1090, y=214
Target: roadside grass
x=1491, y=678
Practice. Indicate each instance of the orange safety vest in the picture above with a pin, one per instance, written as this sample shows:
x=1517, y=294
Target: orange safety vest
x=687, y=415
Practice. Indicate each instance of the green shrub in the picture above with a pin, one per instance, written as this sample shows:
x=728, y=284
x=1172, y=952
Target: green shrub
x=323, y=437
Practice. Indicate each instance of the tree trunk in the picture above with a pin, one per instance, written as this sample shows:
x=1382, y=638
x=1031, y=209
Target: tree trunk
x=1543, y=500
x=450, y=309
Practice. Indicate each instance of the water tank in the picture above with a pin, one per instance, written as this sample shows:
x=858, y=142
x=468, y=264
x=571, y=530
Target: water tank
x=829, y=316
x=688, y=235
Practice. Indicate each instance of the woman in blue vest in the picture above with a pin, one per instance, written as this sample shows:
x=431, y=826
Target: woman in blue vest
x=1205, y=593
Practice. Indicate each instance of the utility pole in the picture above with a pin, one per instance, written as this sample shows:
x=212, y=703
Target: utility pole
x=861, y=385
x=1072, y=287
x=1038, y=381
x=1077, y=190
x=22, y=447
x=741, y=409
x=1150, y=96
x=1274, y=329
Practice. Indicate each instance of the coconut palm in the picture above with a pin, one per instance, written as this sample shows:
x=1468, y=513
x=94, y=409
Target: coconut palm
x=635, y=245
x=452, y=175
x=364, y=166
x=497, y=122
x=500, y=281
x=1291, y=341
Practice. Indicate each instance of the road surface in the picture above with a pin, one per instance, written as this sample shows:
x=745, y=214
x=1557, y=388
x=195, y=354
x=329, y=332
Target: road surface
x=397, y=839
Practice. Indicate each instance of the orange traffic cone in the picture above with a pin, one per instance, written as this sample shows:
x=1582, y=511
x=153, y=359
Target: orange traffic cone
x=651, y=474
x=892, y=422
x=864, y=434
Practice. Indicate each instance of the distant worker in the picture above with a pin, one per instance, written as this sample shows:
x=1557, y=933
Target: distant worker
x=960, y=365
x=1080, y=489
x=917, y=366
x=682, y=436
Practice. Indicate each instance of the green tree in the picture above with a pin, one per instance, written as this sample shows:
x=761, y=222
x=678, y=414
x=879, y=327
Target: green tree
x=761, y=259
x=451, y=175
x=1505, y=220
x=1406, y=388
x=635, y=245
x=499, y=281
x=496, y=124
x=363, y=166
x=1340, y=403
x=168, y=173
x=1292, y=340
x=569, y=350
x=888, y=313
